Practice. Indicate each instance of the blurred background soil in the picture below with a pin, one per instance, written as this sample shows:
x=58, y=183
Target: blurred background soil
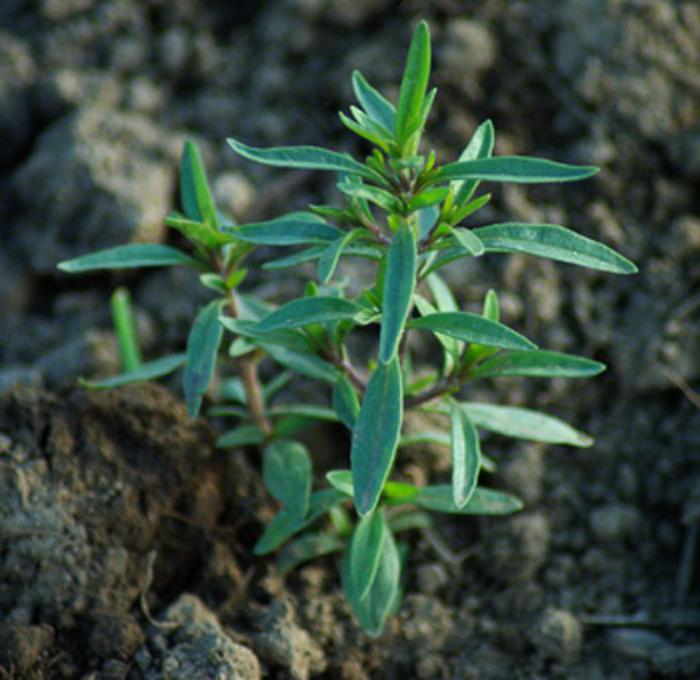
x=125, y=536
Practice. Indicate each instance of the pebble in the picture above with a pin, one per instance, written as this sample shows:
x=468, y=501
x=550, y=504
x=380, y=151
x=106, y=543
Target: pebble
x=558, y=636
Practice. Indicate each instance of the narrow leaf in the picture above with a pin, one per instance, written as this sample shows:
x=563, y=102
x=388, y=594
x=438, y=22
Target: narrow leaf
x=308, y=547
x=306, y=364
x=377, y=107
x=311, y=411
x=366, y=128
x=202, y=347
x=479, y=146
x=290, y=230
x=197, y=232
x=466, y=456
x=491, y=310
x=376, y=435
x=483, y=501
x=196, y=197
x=366, y=551
x=399, y=283
x=538, y=364
x=148, y=371
x=341, y=480
x=125, y=329
x=331, y=255
x=305, y=311
x=413, y=84
x=468, y=241
x=130, y=256
x=244, y=435
x=472, y=328
x=287, y=476
x=284, y=337
x=345, y=402
x=554, y=242
x=518, y=169
x=379, y=197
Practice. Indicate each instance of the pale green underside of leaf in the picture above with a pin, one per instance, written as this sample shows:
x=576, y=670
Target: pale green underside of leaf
x=517, y=169
x=479, y=146
x=469, y=241
x=483, y=501
x=366, y=549
x=472, y=328
x=376, y=435
x=331, y=255
x=287, y=476
x=147, y=371
x=202, y=347
x=130, y=256
x=538, y=364
x=554, y=242
x=305, y=311
x=466, y=456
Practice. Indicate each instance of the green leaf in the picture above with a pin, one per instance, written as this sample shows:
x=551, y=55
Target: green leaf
x=316, y=252
x=290, y=230
x=322, y=502
x=202, y=347
x=376, y=435
x=278, y=530
x=523, y=423
x=414, y=519
x=309, y=157
x=469, y=208
x=341, y=480
x=427, y=198
x=414, y=85
x=379, y=197
x=311, y=411
x=148, y=371
x=244, y=435
x=366, y=128
x=377, y=107
x=345, y=402
x=310, y=310
x=287, y=476
x=365, y=550
x=468, y=241
x=518, y=169
x=130, y=256
x=286, y=337
x=197, y=232
x=483, y=501
x=305, y=549
x=381, y=599
x=194, y=188
x=329, y=259
x=125, y=329
x=538, y=364
x=306, y=364
x=399, y=492
x=466, y=456
x=451, y=346
x=399, y=283
x=554, y=242
x=479, y=146
x=472, y=328
x=492, y=309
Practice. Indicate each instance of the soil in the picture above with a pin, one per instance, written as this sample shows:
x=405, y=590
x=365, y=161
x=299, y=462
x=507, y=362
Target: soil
x=126, y=536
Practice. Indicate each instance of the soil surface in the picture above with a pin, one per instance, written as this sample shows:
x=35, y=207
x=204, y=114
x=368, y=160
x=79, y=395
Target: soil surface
x=126, y=536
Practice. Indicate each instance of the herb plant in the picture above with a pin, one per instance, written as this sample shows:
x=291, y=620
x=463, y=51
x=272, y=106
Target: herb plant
x=403, y=211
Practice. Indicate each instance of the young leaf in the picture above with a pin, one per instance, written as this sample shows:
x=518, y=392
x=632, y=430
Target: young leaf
x=479, y=146
x=290, y=230
x=376, y=435
x=366, y=128
x=468, y=241
x=278, y=530
x=554, y=242
x=197, y=233
x=382, y=598
x=306, y=311
x=287, y=476
x=202, y=347
x=472, y=328
x=304, y=549
x=309, y=157
x=341, y=480
x=399, y=283
x=194, y=188
x=329, y=259
x=523, y=423
x=244, y=435
x=466, y=456
x=427, y=198
x=518, y=169
x=125, y=330
x=148, y=371
x=345, y=402
x=366, y=551
x=130, y=256
x=483, y=501
x=413, y=85
x=538, y=364
x=379, y=197
x=377, y=107
x=491, y=310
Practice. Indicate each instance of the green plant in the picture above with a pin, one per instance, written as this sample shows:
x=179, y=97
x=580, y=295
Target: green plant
x=403, y=211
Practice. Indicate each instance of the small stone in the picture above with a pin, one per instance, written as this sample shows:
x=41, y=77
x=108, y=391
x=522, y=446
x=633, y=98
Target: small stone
x=614, y=523
x=234, y=192
x=559, y=636
x=21, y=646
x=431, y=577
x=637, y=643
x=468, y=51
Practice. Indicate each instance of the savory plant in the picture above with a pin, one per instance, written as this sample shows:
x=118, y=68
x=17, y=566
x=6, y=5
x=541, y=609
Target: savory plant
x=403, y=211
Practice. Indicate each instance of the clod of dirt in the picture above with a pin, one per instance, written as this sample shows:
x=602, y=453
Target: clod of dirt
x=614, y=523
x=114, y=636
x=558, y=635
x=191, y=644
x=21, y=647
x=283, y=642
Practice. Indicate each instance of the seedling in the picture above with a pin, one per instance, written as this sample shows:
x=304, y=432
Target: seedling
x=403, y=211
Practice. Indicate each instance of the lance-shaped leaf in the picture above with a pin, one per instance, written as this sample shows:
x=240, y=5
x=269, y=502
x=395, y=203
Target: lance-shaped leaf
x=366, y=550
x=472, y=328
x=305, y=311
x=482, y=502
x=287, y=476
x=554, y=242
x=197, y=232
x=301, y=362
x=308, y=157
x=466, y=456
x=202, y=347
x=468, y=241
x=331, y=255
x=452, y=347
x=399, y=283
x=304, y=549
x=414, y=84
x=130, y=256
x=518, y=169
x=148, y=371
x=341, y=480
x=376, y=435
x=377, y=107
x=195, y=195
x=523, y=423
x=537, y=364
x=479, y=146
x=383, y=595
x=366, y=128
x=244, y=435
x=345, y=402
x=290, y=230
x=310, y=411
x=285, y=337
x=379, y=197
